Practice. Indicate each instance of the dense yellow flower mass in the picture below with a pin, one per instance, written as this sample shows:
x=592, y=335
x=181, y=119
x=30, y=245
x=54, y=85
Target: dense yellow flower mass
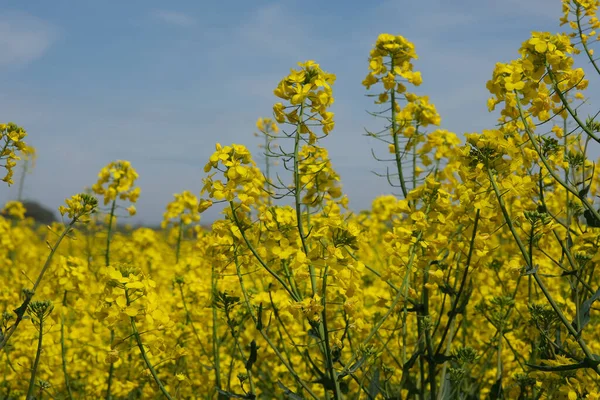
x=14, y=209
x=478, y=280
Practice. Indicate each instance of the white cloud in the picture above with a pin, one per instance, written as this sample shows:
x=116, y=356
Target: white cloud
x=24, y=38
x=174, y=18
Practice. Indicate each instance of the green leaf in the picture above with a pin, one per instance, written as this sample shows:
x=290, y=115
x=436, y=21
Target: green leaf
x=531, y=271
x=374, y=386
x=288, y=393
x=259, y=322
x=20, y=311
x=585, y=311
x=230, y=395
x=496, y=392
x=253, y=355
x=591, y=219
x=583, y=192
x=447, y=390
x=353, y=367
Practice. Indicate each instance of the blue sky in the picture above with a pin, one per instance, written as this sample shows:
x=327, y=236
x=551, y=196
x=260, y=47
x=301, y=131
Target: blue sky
x=158, y=83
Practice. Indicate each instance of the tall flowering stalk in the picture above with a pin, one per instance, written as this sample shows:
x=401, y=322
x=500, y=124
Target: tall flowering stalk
x=181, y=212
x=390, y=63
x=426, y=201
x=308, y=91
x=308, y=94
x=115, y=181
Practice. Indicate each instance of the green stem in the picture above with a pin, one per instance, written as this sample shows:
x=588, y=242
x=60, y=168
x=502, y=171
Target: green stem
x=313, y=276
x=297, y=200
x=414, y=158
x=22, y=180
x=63, y=349
x=109, y=233
x=445, y=366
x=35, y=363
x=395, y=132
x=147, y=361
x=421, y=345
x=325, y=335
x=111, y=369
x=267, y=163
x=430, y=359
x=499, y=354
x=217, y=362
x=179, y=236
x=565, y=102
x=567, y=170
x=236, y=340
x=583, y=42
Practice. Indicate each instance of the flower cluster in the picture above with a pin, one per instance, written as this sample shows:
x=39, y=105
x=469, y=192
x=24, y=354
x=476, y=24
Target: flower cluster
x=128, y=293
x=308, y=87
x=317, y=175
x=391, y=66
x=117, y=179
x=266, y=125
x=534, y=84
x=183, y=210
x=417, y=112
x=79, y=207
x=390, y=61
x=11, y=143
x=578, y=10
x=243, y=180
